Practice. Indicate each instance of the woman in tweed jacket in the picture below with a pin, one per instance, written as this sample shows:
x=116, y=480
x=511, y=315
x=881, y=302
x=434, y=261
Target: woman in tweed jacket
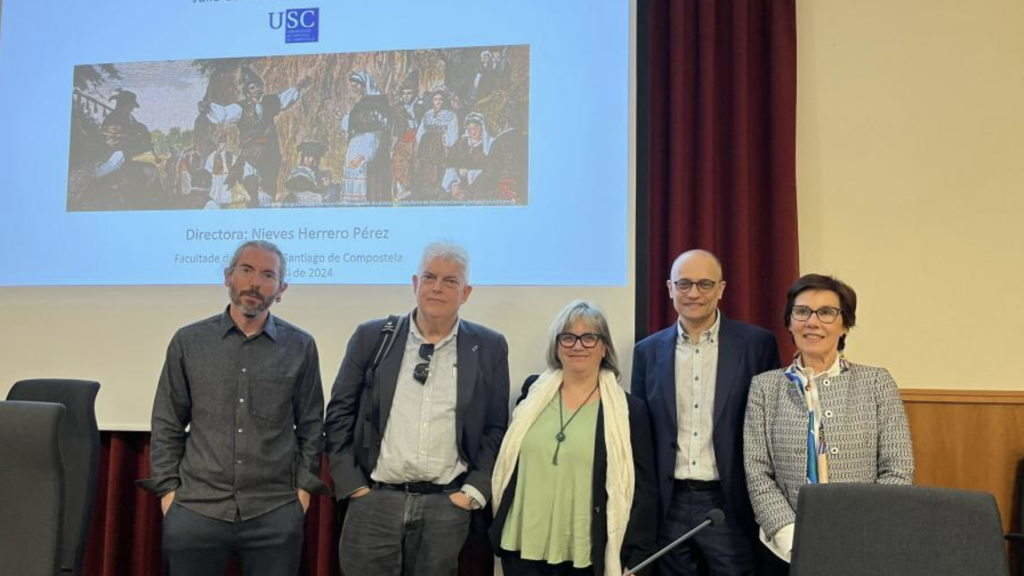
x=849, y=417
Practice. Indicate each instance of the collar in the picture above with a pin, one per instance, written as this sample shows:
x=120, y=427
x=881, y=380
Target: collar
x=710, y=335
x=226, y=325
x=839, y=366
x=414, y=330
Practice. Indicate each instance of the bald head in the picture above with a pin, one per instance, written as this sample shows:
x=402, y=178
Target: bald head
x=703, y=258
x=695, y=288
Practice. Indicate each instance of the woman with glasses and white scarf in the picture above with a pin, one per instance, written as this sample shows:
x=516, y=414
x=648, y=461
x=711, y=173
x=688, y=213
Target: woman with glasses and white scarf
x=822, y=419
x=573, y=485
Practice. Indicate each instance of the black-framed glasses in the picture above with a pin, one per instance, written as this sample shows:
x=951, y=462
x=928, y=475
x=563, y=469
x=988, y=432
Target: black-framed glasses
x=421, y=371
x=568, y=339
x=703, y=286
x=827, y=314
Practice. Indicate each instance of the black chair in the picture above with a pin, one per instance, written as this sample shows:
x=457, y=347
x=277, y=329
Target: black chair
x=869, y=529
x=1017, y=538
x=31, y=488
x=81, y=449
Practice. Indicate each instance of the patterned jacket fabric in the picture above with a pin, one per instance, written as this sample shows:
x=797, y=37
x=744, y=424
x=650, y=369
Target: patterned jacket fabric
x=865, y=428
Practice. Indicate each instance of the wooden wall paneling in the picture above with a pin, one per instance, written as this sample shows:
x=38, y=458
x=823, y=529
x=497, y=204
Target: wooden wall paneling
x=971, y=440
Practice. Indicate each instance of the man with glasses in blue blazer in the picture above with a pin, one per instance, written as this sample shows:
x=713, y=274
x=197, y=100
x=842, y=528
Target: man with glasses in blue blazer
x=694, y=376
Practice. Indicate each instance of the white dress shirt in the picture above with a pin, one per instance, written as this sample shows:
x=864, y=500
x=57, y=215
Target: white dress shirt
x=696, y=371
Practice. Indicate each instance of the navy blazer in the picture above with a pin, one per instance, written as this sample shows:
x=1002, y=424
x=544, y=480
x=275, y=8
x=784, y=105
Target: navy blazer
x=743, y=351
x=639, y=541
x=357, y=415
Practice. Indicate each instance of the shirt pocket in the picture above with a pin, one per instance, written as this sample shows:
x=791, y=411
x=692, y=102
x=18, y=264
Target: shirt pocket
x=271, y=398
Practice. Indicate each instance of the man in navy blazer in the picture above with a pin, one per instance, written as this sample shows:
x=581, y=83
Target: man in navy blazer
x=694, y=376
x=412, y=441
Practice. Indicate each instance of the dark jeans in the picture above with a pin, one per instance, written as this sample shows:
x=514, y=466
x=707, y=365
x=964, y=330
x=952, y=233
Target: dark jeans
x=394, y=533
x=724, y=549
x=513, y=565
x=268, y=545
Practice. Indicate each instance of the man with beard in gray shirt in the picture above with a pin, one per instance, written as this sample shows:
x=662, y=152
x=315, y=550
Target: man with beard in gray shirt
x=236, y=430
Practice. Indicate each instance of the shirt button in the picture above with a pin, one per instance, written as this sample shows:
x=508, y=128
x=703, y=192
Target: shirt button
x=826, y=382
x=696, y=405
x=238, y=461
x=241, y=400
x=696, y=378
x=693, y=463
x=697, y=351
x=833, y=450
x=243, y=370
x=239, y=430
x=694, y=433
x=828, y=413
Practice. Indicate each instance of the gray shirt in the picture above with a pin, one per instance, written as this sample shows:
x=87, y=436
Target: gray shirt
x=237, y=422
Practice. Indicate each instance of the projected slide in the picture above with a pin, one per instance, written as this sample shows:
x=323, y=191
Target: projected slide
x=149, y=139
x=425, y=127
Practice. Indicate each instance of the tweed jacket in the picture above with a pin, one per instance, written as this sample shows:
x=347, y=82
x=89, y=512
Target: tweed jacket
x=865, y=430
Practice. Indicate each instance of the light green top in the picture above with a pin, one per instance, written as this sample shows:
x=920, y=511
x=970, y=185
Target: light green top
x=549, y=518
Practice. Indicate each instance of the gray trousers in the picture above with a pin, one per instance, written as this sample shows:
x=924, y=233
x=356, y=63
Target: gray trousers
x=393, y=533
x=268, y=545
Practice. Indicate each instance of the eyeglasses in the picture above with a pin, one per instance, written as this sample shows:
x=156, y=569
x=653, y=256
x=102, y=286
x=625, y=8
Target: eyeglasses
x=827, y=314
x=703, y=286
x=421, y=371
x=448, y=282
x=568, y=339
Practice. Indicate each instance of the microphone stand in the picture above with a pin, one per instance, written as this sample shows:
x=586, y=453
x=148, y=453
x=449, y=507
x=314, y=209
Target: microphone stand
x=714, y=517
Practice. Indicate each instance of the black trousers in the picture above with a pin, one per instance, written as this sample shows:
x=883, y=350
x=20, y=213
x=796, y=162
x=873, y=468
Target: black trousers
x=268, y=545
x=513, y=565
x=768, y=564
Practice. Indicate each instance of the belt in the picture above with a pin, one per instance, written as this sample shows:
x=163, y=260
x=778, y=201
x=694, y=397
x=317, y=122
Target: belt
x=420, y=487
x=697, y=485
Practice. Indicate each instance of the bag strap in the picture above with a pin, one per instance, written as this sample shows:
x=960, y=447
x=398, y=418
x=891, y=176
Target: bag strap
x=384, y=343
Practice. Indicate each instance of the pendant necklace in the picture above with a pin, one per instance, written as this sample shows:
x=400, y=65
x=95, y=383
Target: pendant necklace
x=563, y=424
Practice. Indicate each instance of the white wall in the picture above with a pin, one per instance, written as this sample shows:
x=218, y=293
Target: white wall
x=910, y=179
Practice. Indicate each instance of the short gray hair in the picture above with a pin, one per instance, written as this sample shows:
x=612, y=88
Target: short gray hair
x=261, y=245
x=592, y=315
x=446, y=251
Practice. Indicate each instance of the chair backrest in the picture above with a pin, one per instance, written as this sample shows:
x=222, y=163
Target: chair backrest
x=1017, y=521
x=869, y=529
x=81, y=449
x=31, y=488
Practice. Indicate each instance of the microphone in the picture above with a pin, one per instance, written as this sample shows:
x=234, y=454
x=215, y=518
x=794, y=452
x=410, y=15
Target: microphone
x=713, y=517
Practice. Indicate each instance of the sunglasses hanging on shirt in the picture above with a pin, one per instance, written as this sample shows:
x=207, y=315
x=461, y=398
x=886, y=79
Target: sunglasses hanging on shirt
x=421, y=371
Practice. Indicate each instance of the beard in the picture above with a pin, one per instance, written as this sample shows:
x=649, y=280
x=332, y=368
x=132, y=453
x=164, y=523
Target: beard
x=248, y=309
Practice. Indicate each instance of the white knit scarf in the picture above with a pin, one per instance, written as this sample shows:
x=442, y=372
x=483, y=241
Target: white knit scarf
x=619, y=479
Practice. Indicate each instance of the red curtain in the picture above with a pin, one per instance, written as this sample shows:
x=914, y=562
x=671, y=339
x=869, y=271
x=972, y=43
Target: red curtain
x=124, y=539
x=718, y=152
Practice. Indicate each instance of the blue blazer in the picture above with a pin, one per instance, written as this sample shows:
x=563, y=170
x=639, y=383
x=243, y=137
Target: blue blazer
x=743, y=351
